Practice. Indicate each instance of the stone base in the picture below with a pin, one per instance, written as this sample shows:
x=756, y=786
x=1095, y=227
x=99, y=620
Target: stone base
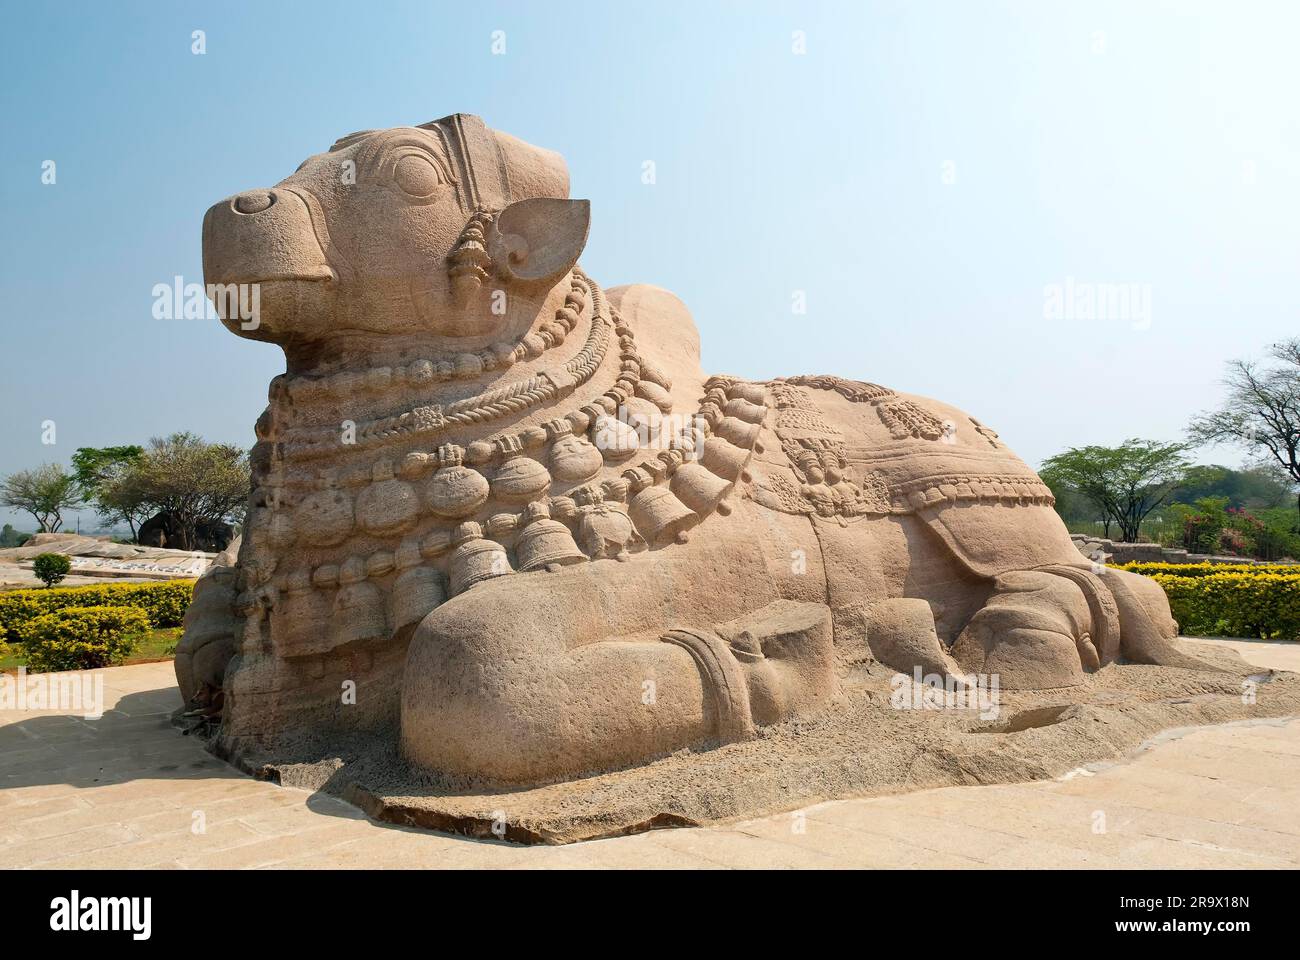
x=862, y=746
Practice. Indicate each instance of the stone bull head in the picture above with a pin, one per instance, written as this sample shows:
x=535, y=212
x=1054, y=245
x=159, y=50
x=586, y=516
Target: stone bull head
x=449, y=228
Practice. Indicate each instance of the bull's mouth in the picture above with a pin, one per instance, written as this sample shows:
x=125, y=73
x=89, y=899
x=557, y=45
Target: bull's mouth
x=325, y=275
x=275, y=309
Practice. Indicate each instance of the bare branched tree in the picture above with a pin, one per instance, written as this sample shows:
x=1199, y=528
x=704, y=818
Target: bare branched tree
x=1262, y=410
x=44, y=493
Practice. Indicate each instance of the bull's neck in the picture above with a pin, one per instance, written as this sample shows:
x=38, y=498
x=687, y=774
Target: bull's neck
x=568, y=356
x=520, y=330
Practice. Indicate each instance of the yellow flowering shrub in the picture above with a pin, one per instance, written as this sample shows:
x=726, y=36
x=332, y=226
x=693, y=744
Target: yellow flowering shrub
x=1252, y=602
x=82, y=638
x=1206, y=569
x=163, y=603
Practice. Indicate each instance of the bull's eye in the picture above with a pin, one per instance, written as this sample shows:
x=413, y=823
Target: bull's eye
x=417, y=176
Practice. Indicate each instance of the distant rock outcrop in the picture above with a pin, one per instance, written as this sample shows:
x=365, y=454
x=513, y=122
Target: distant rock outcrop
x=162, y=530
x=98, y=557
x=1103, y=550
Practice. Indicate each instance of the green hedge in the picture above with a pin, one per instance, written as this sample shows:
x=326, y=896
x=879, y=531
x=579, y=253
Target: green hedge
x=82, y=638
x=1209, y=569
x=1235, y=604
x=163, y=603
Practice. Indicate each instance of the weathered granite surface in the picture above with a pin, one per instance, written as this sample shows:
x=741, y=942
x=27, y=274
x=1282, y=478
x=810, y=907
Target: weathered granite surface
x=504, y=524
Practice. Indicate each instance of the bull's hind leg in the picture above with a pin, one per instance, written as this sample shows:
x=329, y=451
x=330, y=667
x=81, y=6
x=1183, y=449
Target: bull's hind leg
x=550, y=676
x=1148, y=633
x=1131, y=621
x=1047, y=627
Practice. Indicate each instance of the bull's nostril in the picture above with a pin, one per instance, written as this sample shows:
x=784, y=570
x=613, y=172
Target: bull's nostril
x=255, y=201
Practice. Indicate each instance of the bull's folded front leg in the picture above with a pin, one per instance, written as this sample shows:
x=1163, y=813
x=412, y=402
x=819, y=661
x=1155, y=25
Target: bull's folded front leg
x=554, y=676
x=1032, y=633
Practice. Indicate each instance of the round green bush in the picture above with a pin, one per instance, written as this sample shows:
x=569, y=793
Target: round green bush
x=82, y=638
x=50, y=568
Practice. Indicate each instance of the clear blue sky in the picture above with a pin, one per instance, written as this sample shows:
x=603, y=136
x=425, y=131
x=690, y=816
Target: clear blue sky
x=1125, y=142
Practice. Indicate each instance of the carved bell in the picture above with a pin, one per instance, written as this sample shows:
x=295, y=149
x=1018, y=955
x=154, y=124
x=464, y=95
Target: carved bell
x=358, y=607
x=545, y=542
x=743, y=409
x=660, y=517
x=416, y=592
x=755, y=393
x=475, y=559
x=300, y=625
x=724, y=458
x=455, y=490
x=604, y=529
x=698, y=488
x=279, y=530
x=738, y=432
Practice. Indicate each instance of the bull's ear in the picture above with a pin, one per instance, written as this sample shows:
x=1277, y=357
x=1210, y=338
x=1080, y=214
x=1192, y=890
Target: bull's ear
x=539, y=239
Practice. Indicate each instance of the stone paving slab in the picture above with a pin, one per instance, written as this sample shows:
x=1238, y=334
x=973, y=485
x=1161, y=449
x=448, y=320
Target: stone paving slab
x=127, y=790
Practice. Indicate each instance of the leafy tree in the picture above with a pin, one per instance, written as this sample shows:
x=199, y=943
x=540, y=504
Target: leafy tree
x=1125, y=482
x=1072, y=505
x=193, y=481
x=122, y=499
x=97, y=469
x=1262, y=410
x=93, y=465
x=44, y=493
x=9, y=537
x=50, y=568
x=1258, y=487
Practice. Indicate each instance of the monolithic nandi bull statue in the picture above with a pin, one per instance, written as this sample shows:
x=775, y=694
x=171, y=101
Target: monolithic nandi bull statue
x=500, y=512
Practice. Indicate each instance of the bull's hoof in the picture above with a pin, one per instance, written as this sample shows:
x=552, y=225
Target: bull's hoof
x=1148, y=633
x=786, y=651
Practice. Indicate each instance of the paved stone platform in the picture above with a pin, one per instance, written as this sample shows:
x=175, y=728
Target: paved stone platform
x=127, y=790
